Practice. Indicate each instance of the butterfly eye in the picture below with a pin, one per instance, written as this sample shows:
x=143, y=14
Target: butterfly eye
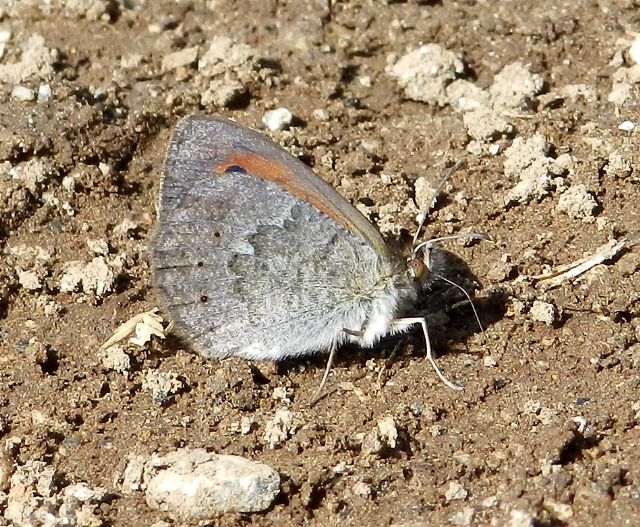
x=417, y=268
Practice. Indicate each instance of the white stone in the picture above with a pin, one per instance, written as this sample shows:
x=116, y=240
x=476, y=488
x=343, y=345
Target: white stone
x=124, y=227
x=627, y=126
x=528, y=160
x=388, y=431
x=464, y=96
x=515, y=87
x=463, y=518
x=22, y=94
x=278, y=119
x=98, y=277
x=520, y=518
x=455, y=491
x=132, y=476
x=99, y=247
x=425, y=194
x=36, y=62
x=320, y=114
x=29, y=280
x=485, y=123
x=544, y=312
x=634, y=50
x=194, y=485
x=162, y=385
x=577, y=203
x=72, y=276
x=44, y=93
x=114, y=358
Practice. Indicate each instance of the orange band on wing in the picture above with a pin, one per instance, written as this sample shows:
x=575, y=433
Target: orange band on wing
x=270, y=170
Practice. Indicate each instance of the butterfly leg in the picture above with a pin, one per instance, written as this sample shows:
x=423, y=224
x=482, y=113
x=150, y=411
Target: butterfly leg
x=327, y=370
x=401, y=324
x=386, y=364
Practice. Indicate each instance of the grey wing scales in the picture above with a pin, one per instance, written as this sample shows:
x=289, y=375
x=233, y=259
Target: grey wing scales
x=246, y=269
x=201, y=143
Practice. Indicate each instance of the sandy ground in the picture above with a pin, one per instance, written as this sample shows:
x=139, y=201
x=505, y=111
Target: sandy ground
x=539, y=97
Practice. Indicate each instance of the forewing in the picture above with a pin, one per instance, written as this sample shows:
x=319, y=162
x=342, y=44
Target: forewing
x=208, y=145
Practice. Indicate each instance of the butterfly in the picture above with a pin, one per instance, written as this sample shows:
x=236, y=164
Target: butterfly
x=257, y=257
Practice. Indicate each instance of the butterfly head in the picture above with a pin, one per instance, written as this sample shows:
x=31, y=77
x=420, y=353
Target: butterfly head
x=426, y=264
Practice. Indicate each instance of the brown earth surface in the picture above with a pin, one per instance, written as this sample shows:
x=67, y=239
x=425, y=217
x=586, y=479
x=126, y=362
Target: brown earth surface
x=547, y=429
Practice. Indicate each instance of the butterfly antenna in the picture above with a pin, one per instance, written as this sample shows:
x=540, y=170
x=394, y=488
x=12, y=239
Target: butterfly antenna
x=327, y=370
x=467, y=235
x=434, y=197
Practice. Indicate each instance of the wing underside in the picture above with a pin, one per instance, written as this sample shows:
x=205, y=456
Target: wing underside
x=248, y=269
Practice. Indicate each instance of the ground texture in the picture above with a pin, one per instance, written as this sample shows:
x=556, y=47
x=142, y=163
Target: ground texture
x=540, y=99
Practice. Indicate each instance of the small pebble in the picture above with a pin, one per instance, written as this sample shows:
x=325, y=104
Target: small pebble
x=490, y=502
x=544, y=312
x=388, y=431
x=489, y=362
x=23, y=94
x=634, y=50
x=29, y=280
x=105, y=169
x=180, y=59
x=44, y=93
x=455, y=491
x=278, y=119
x=320, y=114
x=521, y=519
x=99, y=247
x=114, y=358
x=463, y=518
x=280, y=428
x=361, y=489
x=560, y=511
x=162, y=385
x=627, y=126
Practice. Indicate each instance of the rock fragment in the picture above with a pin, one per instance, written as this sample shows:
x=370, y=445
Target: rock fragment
x=515, y=88
x=114, y=358
x=384, y=436
x=283, y=425
x=194, y=485
x=94, y=277
x=455, y=491
x=577, y=203
x=544, y=312
x=278, y=119
x=424, y=73
x=162, y=385
x=225, y=69
x=529, y=161
x=36, y=63
x=180, y=59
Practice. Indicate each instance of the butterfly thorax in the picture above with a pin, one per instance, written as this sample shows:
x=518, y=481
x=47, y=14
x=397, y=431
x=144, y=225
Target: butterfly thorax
x=382, y=288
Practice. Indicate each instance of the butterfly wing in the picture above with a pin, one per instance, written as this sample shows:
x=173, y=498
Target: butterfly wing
x=254, y=254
